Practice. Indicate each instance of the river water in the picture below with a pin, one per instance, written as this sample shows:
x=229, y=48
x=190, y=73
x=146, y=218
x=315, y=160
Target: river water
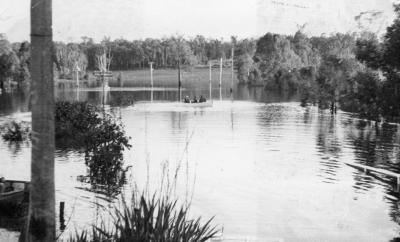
x=265, y=167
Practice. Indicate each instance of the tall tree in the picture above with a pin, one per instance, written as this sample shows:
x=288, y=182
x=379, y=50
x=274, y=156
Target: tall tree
x=274, y=54
x=181, y=51
x=22, y=75
x=41, y=220
x=369, y=51
x=392, y=43
x=68, y=57
x=243, y=54
x=8, y=60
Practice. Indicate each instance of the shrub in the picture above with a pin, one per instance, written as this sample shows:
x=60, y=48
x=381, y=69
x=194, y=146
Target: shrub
x=365, y=96
x=82, y=125
x=74, y=121
x=14, y=131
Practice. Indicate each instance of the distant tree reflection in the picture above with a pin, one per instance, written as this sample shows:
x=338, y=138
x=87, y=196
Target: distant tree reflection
x=327, y=138
x=377, y=146
x=329, y=146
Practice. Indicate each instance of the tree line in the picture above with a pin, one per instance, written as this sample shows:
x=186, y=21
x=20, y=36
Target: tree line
x=14, y=61
x=124, y=54
x=378, y=85
x=268, y=60
x=356, y=72
x=291, y=62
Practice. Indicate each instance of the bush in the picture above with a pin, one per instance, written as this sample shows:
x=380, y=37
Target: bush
x=365, y=97
x=14, y=131
x=104, y=154
x=82, y=125
x=149, y=220
x=74, y=121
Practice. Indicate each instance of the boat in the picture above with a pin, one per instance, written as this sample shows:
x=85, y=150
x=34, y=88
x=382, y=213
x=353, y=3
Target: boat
x=16, y=193
x=198, y=105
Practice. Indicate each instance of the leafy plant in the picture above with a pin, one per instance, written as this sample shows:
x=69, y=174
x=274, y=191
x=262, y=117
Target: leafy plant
x=150, y=220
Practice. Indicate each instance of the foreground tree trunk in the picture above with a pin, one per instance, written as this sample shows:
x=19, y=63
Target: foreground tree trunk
x=41, y=218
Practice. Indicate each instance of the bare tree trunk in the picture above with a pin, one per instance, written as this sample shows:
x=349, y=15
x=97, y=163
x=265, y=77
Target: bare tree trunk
x=41, y=220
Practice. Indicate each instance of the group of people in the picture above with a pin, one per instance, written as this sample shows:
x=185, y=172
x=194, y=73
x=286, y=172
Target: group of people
x=194, y=100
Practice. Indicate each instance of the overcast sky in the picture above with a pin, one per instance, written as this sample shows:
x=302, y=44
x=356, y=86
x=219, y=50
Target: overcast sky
x=138, y=19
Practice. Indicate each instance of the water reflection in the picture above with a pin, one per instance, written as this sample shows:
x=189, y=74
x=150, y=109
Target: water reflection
x=179, y=122
x=308, y=115
x=15, y=147
x=376, y=146
x=328, y=145
x=14, y=102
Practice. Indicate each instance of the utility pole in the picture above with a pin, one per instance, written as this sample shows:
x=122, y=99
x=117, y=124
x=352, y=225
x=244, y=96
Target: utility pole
x=151, y=79
x=179, y=79
x=77, y=70
x=232, y=70
x=210, y=81
x=220, y=80
x=41, y=225
x=102, y=75
x=104, y=92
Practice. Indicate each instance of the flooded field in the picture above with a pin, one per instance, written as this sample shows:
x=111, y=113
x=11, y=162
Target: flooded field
x=265, y=167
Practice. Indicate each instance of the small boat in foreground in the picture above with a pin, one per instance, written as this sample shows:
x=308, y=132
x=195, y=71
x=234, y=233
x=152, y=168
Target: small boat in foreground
x=15, y=193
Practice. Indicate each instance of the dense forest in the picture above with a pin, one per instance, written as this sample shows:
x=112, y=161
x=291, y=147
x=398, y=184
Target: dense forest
x=355, y=72
x=124, y=54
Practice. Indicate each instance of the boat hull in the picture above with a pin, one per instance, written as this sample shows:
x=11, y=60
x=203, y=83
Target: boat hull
x=197, y=105
x=16, y=192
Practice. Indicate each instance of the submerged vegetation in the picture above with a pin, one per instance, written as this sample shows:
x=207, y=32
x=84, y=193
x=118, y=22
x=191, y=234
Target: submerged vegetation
x=316, y=67
x=15, y=131
x=87, y=128
x=149, y=220
x=81, y=125
x=354, y=72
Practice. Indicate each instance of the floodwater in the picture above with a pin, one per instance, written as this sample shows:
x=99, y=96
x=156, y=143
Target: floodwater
x=265, y=167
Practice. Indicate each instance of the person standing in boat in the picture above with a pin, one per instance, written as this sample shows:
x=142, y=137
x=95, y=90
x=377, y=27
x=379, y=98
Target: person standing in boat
x=202, y=99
